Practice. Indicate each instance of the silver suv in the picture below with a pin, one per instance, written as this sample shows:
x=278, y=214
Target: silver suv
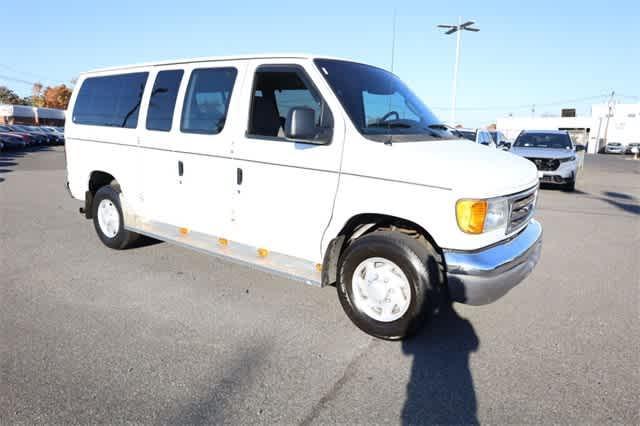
x=553, y=153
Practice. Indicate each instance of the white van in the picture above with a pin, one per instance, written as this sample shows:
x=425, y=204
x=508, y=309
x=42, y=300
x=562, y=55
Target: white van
x=321, y=170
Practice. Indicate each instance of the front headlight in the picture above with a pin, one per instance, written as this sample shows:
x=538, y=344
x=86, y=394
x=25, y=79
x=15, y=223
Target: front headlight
x=478, y=216
x=564, y=160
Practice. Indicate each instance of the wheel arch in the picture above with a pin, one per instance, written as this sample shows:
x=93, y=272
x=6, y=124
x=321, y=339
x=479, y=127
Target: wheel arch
x=97, y=179
x=362, y=224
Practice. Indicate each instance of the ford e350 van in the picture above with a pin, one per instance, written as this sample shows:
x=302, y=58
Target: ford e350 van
x=325, y=171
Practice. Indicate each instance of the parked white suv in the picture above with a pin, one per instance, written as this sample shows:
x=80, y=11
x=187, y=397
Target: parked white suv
x=325, y=171
x=553, y=153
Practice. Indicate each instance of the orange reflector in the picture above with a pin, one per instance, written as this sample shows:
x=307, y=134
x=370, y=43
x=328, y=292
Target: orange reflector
x=223, y=241
x=263, y=252
x=319, y=267
x=471, y=215
x=184, y=231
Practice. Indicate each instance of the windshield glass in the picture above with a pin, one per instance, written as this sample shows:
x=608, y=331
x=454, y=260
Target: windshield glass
x=5, y=129
x=379, y=104
x=543, y=140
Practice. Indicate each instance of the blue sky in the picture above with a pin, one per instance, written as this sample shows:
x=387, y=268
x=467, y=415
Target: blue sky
x=538, y=52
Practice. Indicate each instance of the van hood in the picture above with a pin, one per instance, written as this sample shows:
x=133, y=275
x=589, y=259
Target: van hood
x=542, y=152
x=470, y=169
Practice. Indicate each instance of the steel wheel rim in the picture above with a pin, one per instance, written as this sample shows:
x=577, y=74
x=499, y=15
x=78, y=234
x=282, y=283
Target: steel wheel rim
x=108, y=218
x=381, y=289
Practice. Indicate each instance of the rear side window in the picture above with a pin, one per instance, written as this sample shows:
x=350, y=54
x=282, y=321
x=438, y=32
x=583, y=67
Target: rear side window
x=112, y=100
x=207, y=100
x=163, y=100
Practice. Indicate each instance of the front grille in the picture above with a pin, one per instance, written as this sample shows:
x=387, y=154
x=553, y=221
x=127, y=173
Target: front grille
x=521, y=207
x=545, y=164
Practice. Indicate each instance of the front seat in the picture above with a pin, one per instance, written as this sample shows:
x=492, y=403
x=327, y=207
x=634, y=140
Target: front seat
x=265, y=120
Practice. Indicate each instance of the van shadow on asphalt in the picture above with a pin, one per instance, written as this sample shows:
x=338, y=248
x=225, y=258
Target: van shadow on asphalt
x=440, y=390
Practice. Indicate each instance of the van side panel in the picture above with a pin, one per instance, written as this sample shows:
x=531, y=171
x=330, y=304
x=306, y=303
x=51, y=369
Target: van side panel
x=100, y=148
x=284, y=197
x=417, y=204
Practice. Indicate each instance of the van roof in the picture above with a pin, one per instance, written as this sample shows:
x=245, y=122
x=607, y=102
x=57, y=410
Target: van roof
x=215, y=58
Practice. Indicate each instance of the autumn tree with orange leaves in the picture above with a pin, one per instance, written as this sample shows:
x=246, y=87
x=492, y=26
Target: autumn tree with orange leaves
x=57, y=97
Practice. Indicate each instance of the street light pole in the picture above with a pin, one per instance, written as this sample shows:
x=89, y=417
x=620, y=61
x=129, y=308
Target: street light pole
x=458, y=30
x=455, y=75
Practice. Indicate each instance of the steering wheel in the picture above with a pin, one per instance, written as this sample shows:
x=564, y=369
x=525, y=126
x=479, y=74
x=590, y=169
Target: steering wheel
x=388, y=115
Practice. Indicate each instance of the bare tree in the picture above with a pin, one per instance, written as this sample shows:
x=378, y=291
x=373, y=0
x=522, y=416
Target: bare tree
x=37, y=99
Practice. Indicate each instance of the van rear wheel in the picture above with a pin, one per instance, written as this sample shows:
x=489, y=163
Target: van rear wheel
x=385, y=283
x=109, y=220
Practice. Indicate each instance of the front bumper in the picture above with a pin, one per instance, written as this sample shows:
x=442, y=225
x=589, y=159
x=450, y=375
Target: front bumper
x=565, y=173
x=484, y=276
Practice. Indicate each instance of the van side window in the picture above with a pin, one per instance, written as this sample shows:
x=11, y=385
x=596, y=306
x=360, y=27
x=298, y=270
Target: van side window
x=112, y=100
x=207, y=100
x=276, y=91
x=163, y=100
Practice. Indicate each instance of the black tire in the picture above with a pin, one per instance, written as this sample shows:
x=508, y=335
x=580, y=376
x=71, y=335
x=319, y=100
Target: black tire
x=123, y=239
x=417, y=260
x=571, y=185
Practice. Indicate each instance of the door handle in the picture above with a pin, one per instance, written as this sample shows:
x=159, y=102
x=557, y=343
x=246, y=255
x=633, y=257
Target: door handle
x=180, y=168
x=239, y=176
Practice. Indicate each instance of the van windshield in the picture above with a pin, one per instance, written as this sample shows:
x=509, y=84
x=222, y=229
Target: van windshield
x=380, y=105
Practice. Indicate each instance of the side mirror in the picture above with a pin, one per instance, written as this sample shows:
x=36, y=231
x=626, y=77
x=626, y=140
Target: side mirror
x=505, y=145
x=301, y=124
x=579, y=148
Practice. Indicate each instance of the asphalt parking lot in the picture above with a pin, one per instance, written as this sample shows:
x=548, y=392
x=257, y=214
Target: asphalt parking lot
x=160, y=334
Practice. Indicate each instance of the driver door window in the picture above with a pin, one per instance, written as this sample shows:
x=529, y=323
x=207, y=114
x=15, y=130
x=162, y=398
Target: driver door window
x=279, y=90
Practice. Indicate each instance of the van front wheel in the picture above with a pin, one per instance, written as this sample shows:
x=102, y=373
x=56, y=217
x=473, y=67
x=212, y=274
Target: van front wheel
x=109, y=220
x=384, y=284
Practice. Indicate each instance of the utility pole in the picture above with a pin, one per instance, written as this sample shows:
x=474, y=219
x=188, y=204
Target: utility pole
x=609, y=115
x=458, y=30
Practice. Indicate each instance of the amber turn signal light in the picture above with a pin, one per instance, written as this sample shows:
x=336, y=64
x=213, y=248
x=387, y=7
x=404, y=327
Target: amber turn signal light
x=471, y=215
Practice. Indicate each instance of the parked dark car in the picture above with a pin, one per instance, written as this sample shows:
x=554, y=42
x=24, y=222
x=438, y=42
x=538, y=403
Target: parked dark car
x=55, y=132
x=41, y=137
x=28, y=139
x=52, y=139
x=12, y=141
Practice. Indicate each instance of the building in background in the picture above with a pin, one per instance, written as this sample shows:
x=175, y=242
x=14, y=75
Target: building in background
x=607, y=123
x=22, y=114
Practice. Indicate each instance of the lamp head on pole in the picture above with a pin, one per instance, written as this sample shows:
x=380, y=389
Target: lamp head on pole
x=467, y=26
